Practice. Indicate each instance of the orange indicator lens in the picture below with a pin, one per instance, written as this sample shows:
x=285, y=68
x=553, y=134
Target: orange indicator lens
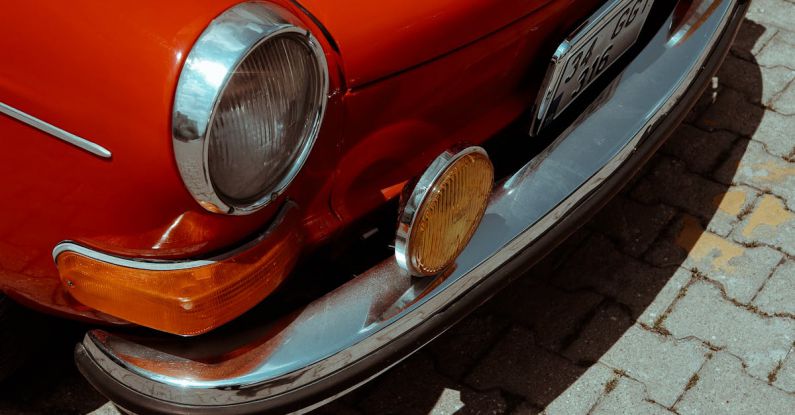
x=188, y=300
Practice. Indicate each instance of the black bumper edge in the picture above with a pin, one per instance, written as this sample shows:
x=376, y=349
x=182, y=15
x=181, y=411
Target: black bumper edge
x=94, y=363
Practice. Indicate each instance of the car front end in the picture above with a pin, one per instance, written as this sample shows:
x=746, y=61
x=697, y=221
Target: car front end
x=262, y=286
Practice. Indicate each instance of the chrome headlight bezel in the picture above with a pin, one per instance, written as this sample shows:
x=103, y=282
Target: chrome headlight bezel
x=222, y=47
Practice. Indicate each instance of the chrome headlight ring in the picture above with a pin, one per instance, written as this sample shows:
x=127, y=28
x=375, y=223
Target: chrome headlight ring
x=210, y=66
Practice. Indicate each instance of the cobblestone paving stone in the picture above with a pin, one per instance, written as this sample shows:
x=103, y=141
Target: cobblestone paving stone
x=638, y=355
x=723, y=387
x=627, y=397
x=678, y=298
x=784, y=378
x=778, y=294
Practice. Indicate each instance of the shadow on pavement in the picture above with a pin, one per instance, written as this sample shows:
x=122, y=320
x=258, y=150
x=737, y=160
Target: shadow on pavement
x=50, y=383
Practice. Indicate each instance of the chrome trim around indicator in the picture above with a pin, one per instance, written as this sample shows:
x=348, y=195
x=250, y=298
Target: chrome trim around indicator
x=69, y=246
x=418, y=195
x=383, y=309
x=220, y=49
x=287, y=216
x=54, y=131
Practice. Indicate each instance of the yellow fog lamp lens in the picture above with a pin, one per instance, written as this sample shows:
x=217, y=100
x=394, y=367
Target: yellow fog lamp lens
x=443, y=211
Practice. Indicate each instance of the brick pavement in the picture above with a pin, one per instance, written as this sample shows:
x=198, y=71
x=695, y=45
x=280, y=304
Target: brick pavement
x=678, y=298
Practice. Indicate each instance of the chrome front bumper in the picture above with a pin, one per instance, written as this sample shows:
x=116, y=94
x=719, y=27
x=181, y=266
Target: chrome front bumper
x=375, y=320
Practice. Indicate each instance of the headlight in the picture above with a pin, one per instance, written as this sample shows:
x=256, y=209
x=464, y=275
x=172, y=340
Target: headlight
x=248, y=107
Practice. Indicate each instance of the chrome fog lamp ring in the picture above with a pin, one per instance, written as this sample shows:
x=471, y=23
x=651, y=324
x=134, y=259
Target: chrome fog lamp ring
x=210, y=71
x=473, y=188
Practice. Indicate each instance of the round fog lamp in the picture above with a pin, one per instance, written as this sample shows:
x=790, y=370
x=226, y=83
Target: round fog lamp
x=443, y=211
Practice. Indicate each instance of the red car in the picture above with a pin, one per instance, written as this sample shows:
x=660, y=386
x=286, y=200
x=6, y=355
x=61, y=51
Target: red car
x=262, y=205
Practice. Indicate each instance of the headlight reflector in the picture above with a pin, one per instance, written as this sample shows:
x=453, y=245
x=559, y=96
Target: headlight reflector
x=264, y=121
x=248, y=107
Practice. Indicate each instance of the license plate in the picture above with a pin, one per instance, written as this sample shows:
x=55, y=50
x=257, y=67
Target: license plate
x=586, y=54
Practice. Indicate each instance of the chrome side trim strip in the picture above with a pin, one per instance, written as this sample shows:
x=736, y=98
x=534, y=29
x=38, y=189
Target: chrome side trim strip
x=68, y=246
x=371, y=312
x=54, y=131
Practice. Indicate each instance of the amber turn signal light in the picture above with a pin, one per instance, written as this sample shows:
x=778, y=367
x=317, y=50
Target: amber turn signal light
x=443, y=211
x=185, y=298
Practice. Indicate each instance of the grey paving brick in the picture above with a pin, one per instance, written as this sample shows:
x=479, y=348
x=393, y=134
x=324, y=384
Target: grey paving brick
x=552, y=314
x=785, y=377
x=604, y=328
x=583, y=394
x=519, y=366
x=760, y=341
x=732, y=111
x=779, y=13
x=665, y=252
x=628, y=397
x=740, y=270
x=770, y=223
x=602, y=268
x=776, y=132
x=525, y=408
x=107, y=409
x=724, y=388
x=634, y=226
x=426, y=392
x=474, y=403
x=665, y=297
x=700, y=150
x=726, y=172
x=337, y=407
x=449, y=403
x=457, y=351
x=639, y=353
x=751, y=38
x=735, y=202
x=755, y=167
x=758, y=84
x=784, y=103
x=670, y=183
x=778, y=294
x=775, y=82
x=777, y=52
x=452, y=401
x=742, y=275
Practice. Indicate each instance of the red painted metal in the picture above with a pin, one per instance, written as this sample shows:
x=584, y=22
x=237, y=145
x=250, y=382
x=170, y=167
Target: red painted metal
x=409, y=79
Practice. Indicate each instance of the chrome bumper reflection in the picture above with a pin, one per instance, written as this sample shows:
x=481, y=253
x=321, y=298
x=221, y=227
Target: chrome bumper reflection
x=366, y=315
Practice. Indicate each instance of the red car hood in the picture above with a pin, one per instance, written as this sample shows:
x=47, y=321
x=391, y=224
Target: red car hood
x=380, y=38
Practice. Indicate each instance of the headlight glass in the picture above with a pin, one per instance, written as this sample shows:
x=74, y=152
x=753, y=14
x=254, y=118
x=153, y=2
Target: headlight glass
x=264, y=120
x=248, y=107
